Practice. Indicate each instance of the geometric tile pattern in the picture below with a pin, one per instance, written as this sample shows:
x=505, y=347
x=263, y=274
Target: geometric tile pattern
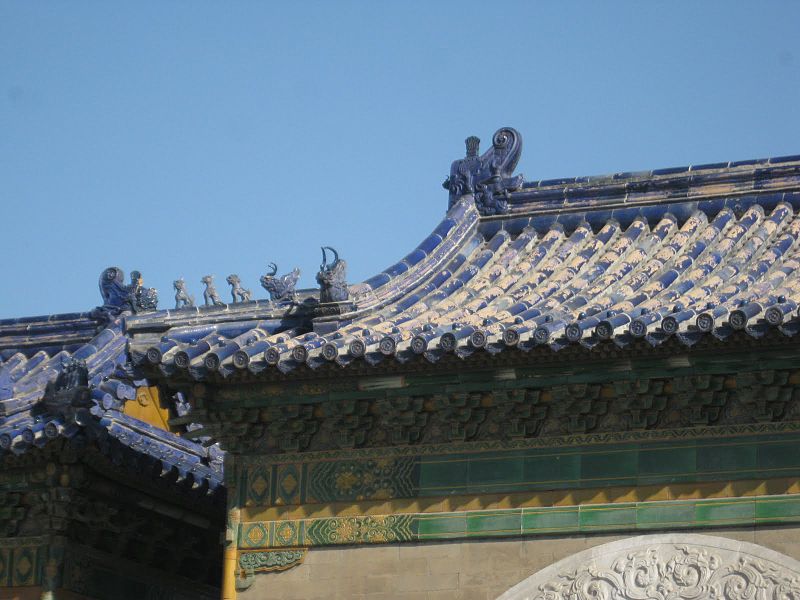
x=288, y=484
x=374, y=479
x=20, y=566
x=258, y=486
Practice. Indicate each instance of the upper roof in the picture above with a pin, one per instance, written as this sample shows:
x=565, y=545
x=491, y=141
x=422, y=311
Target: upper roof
x=683, y=252
x=623, y=260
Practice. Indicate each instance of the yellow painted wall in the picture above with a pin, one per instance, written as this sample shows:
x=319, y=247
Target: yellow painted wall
x=149, y=408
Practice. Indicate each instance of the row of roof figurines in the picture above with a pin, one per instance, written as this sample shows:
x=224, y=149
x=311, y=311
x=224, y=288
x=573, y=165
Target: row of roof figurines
x=135, y=297
x=488, y=178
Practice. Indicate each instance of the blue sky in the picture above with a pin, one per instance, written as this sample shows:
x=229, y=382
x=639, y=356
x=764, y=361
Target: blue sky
x=186, y=138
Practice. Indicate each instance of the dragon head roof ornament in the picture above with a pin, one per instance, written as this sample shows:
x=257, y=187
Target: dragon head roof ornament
x=489, y=177
x=332, y=278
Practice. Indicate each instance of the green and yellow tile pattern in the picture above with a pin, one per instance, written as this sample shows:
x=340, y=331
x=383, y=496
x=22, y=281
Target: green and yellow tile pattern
x=506, y=471
x=633, y=516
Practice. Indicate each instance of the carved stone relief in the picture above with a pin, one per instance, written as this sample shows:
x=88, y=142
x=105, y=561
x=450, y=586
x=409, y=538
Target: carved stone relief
x=666, y=567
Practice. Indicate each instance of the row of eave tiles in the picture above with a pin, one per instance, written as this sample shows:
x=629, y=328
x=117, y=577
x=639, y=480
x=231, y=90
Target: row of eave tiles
x=25, y=380
x=702, y=278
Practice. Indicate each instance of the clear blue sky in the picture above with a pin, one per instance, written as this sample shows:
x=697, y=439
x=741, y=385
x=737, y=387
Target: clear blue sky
x=185, y=138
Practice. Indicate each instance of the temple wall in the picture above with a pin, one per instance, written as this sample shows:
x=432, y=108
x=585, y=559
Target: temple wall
x=471, y=570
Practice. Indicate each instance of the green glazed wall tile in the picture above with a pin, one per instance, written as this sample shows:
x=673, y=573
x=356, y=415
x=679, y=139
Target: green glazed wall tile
x=494, y=471
x=727, y=457
x=768, y=508
x=440, y=477
x=497, y=523
x=551, y=518
x=658, y=514
x=545, y=472
x=775, y=456
x=442, y=525
x=609, y=468
x=607, y=516
x=648, y=516
x=670, y=461
x=714, y=511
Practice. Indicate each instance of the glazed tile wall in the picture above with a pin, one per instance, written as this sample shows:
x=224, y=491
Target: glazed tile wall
x=634, y=516
x=521, y=470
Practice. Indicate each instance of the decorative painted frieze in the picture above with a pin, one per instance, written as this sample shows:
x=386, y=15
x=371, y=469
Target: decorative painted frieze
x=519, y=522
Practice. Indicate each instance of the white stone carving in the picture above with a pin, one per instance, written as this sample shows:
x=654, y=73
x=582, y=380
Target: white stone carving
x=666, y=567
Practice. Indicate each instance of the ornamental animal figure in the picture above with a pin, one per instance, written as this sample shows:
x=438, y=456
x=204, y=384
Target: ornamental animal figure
x=144, y=298
x=210, y=295
x=69, y=395
x=118, y=297
x=281, y=289
x=490, y=176
x=237, y=291
x=332, y=278
x=182, y=297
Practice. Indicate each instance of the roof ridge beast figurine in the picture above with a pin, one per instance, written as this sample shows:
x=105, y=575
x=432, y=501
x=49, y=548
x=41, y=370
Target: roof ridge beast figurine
x=281, y=289
x=332, y=278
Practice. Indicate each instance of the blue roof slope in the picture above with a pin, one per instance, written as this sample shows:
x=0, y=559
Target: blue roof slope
x=36, y=351
x=632, y=259
x=675, y=253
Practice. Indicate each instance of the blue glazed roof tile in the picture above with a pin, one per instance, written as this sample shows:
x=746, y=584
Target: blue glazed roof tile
x=27, y=372
x=673, y=254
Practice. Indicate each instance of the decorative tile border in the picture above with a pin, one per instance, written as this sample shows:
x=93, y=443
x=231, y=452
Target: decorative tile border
x=326, y=532
x=509, y=471
x=633, y=516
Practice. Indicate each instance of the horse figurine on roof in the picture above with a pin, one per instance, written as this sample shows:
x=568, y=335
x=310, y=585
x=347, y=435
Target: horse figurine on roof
x=237, y=291
x=182, y=297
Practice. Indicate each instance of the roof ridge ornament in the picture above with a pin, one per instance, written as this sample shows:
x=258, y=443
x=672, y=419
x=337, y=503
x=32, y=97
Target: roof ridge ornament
x=332, y=278
x=281, y=289
x=183, y=299
x=488, y=178
x=210, y=295
x=237, y=291
x=118, y=297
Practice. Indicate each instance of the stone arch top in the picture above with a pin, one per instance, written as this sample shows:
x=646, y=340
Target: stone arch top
x=666, y=567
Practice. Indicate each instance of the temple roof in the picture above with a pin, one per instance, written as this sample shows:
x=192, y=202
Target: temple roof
x=679, y=253
x=36, y=351
x=630, y=260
